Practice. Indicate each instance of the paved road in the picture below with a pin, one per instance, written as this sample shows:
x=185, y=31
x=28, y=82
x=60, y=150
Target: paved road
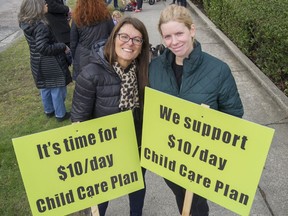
x=9, y=29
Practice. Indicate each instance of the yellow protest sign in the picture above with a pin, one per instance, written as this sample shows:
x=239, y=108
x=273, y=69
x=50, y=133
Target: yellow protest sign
x=74, y=167
x=215, y=155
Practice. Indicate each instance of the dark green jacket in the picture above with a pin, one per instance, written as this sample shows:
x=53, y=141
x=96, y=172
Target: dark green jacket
x=205, y=79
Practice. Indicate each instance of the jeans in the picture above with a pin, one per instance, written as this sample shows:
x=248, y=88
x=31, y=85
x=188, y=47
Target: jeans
x=136, y=201
x=53, y=100
x=199, y=205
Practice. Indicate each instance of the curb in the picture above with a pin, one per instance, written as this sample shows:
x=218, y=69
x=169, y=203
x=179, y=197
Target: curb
x=8, y=41
x=280, y=98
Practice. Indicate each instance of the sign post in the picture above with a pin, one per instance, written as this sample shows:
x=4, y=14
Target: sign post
x=187, y=203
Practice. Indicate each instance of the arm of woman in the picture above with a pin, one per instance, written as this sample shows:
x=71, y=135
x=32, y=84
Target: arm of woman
x=84, y=97
x=44, y=45
x=56, y=7
x=229, y=98
x=74, y=38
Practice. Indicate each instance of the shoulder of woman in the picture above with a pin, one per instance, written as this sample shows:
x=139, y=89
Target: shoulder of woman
x=42, y=27
x=216, y=62
x=92, y=71
x=41, y=24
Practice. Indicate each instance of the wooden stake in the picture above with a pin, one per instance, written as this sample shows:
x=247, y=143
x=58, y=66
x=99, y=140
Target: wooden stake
x=187, y=203
x=189, y=195
x=94, y=211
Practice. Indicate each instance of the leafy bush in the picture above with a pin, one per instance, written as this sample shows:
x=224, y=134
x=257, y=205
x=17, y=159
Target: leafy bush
x=259, y=28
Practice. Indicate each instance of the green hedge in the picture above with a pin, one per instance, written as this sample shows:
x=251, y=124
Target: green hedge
x=260, y=29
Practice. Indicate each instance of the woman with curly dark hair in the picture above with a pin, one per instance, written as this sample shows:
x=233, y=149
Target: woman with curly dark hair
x=91, y=21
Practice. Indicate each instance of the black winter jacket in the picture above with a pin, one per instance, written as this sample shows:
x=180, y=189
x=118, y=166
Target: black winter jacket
x=57, y=17
x=82, y=39
x=47, y=57
x=97, y=89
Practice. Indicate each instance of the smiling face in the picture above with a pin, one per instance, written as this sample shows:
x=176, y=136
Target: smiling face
x=126, y=52
x=178, y=38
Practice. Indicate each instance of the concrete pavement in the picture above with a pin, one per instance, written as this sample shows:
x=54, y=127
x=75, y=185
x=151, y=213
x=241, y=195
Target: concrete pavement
x=9, y=29
x=263, y=104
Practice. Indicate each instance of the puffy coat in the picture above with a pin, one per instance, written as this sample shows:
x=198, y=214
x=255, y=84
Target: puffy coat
x=47, y=57
x=205, y=79
x=57, y=17
x=82, y=39
x=97, y=88
x=97, y=91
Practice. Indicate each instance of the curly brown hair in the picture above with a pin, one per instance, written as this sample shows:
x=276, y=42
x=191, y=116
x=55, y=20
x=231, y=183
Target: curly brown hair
x=89, y=12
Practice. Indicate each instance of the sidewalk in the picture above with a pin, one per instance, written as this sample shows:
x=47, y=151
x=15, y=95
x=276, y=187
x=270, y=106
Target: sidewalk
x=263, y=104
x=9, y=29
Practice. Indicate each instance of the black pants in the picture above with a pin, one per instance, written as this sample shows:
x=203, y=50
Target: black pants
x=199, y=205
x=136, y=201
x=139, y=4
x=115, y=3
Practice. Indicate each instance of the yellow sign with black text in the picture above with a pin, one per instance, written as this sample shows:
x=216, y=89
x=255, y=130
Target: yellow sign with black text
x=77, y=166
x=215, y=155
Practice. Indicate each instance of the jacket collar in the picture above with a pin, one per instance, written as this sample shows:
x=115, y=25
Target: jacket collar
x=193, y=61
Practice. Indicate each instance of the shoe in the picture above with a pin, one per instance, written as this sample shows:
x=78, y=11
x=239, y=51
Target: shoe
x=50, y=115
x=65, y=117
x=138, y=10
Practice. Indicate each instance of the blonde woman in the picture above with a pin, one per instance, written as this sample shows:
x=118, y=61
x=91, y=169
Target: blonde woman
x=185, y=71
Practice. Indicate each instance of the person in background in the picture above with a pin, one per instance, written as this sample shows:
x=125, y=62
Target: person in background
x=183, y=3
x=180, y=2
x=116, y=16
x=113, y=82
x=130, y=6
x=58, y=18
x=185, y=71
x=47, y=58
x=139, y=6
x=173, y=2
x=115, y=4
x=91, y=21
